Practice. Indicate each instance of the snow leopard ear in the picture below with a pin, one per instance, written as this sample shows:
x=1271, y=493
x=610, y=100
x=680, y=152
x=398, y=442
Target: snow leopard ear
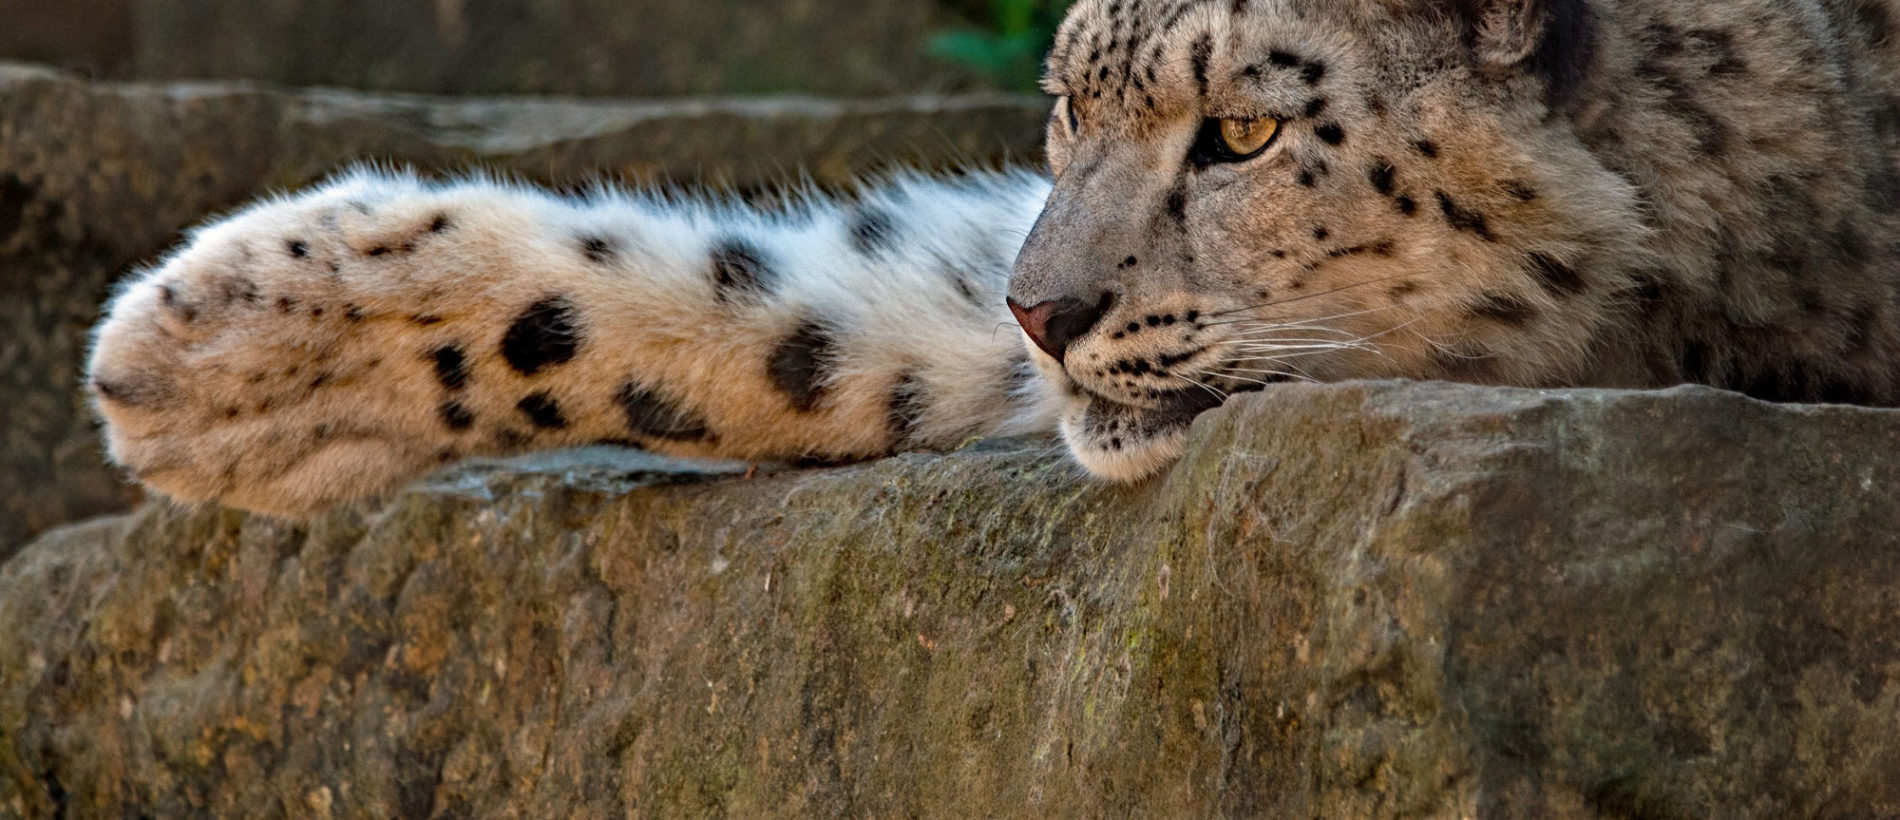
x=1552, y=39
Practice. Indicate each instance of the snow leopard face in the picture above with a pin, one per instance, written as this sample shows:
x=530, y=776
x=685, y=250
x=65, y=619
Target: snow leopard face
x=1254, y=192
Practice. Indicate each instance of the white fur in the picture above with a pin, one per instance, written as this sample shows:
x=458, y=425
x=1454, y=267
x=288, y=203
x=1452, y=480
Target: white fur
x=209, y=396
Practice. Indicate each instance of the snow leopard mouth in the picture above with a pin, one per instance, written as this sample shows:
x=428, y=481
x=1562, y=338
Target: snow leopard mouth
x=1125, y=442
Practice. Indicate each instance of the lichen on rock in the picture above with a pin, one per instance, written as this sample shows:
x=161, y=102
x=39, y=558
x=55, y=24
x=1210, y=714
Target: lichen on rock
x=1364, y=600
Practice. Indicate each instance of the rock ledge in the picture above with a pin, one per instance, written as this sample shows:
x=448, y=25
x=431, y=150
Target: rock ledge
x=1367, y=600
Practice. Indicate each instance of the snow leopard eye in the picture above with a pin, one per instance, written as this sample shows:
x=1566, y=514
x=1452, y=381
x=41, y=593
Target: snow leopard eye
x=1233, y=139
x=1248, y=137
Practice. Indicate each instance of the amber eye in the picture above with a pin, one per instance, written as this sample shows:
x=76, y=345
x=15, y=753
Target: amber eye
x=1246, y=138
x=1232, y=140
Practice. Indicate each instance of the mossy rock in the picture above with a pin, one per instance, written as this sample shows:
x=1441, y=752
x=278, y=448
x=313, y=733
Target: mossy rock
x=1366, y=600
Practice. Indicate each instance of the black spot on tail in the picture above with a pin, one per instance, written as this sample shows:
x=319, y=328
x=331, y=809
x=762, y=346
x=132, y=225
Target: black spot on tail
x=451, y=367
x=739, y=266
x=654, y=416
x=545, y=335
x=597, y=250
x=967, y=290
x=456, y=416
x=238, y=289
x=801, y=364
x=543, y=411
x=1555, y=276
x=872, y=232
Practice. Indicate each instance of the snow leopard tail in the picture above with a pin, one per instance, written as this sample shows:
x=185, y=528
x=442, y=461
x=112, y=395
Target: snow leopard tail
x=331, y=345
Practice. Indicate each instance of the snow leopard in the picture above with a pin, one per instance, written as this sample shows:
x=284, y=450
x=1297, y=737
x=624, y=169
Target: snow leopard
x=1239, y=193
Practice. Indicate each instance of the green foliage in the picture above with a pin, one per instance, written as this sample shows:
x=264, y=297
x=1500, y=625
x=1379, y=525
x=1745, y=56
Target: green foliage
x=1008, y=46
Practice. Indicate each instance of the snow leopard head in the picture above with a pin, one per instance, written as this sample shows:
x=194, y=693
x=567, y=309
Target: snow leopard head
x=1251, y=192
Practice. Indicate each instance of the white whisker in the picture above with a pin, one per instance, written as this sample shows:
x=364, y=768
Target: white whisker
x=1309, y=346
x=1218, y=393
x=1311, y=295
x=1292, y=322
x=1279, y=373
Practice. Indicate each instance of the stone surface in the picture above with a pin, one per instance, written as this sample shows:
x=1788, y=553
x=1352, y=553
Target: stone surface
x=1370, y=600
x=585, y=47
x=95, y=178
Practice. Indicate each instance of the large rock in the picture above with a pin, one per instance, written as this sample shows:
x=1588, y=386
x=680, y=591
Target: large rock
x=588, y=47
x=1356, y=601
x=97, y=177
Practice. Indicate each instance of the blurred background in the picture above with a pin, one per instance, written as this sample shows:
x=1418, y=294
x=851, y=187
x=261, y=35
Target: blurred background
x=125, y=122
x=577, y=47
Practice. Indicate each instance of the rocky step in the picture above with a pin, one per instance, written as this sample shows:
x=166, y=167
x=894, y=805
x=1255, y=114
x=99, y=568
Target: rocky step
x=612, y=47
x=97, y=177
x=1365, y=600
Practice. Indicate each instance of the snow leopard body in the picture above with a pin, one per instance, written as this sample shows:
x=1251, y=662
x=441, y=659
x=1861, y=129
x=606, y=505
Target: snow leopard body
x=1516, y=192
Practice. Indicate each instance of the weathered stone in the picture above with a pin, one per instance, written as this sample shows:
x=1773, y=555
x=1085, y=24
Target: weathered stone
x=586, y=47
x=97, y=177
x=1374, y=600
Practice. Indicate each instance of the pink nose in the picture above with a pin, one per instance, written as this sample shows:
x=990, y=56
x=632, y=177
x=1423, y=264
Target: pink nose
x=1055, y=325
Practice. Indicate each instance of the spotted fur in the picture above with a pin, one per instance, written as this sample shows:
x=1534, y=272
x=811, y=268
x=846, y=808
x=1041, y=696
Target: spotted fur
x=520, y=320
x=1548, y=192
x=1525, y=192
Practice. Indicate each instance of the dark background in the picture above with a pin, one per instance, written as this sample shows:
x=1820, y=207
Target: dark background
x=579, y=47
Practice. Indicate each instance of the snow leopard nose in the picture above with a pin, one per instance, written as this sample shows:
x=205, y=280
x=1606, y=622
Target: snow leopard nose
x=1056, y=324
